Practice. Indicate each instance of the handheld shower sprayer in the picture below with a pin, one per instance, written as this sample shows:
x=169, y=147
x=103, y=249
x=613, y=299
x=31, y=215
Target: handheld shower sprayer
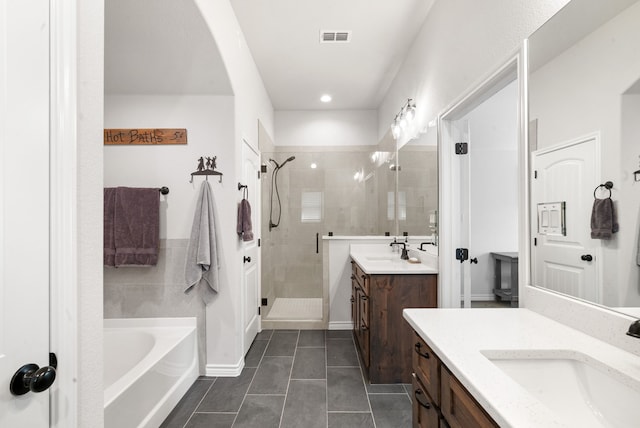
x=274, y=185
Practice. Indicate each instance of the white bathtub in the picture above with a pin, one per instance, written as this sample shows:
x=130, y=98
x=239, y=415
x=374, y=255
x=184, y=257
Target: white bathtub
x=149, y=364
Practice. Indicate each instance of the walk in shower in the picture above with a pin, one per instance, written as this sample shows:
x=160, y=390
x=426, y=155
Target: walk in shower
x=340, y=191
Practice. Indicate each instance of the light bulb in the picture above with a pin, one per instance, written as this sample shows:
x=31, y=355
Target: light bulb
x=411, y=113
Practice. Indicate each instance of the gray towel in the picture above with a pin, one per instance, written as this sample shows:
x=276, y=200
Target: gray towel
x=131, y=226
x=244, y=227
x=201, y=267
x=604, y=222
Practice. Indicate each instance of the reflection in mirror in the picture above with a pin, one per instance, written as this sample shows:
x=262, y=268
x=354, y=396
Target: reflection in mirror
x=584, y=110
x=417, y=195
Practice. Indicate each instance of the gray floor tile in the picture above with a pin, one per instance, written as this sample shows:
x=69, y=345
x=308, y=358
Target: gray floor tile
x=211, y=420
x=183, y=410
x=309, y=363
x=408, y=388
x=341, y=353
x=260, y=411
x=272, y=376
x=306, y=405
x=350, y=420
x=339, y=334
x=345, y=390
x=282, y=344
x=264, y=335
x=391, y=411
x=311, y=338
x=227, y=393
x=253, y=357
x=385, y=388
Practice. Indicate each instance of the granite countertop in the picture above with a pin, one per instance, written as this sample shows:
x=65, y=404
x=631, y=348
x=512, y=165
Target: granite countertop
x=462, y=338
x=377, y=259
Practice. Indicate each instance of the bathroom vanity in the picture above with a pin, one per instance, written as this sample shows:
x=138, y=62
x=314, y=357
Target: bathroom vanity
x=536, y=373
x=382, y=285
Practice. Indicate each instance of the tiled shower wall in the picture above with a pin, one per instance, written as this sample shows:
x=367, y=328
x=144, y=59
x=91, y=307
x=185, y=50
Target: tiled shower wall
x=156, y=291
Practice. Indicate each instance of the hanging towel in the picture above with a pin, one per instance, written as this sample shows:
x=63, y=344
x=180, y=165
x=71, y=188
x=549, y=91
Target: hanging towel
x=244, y=227
x=109, y=253
x=136, y=226
x=201, y=267
x=604, y=222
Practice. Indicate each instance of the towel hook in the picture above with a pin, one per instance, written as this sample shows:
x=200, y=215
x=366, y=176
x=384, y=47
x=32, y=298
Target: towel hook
x=608, y=185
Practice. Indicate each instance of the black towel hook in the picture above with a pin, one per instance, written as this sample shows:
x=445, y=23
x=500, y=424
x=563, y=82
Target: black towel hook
x=608, y=185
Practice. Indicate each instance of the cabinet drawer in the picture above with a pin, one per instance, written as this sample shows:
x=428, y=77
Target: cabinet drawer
x=360, y=277
x=459, y=408
x=426, y=365
x=425, y=413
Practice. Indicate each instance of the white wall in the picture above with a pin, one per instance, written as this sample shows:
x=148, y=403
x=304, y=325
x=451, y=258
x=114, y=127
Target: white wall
x=209, y=124
x=460, y=43
x=251, y=103
x=89, y=69
x=493, y=158
x=326, y=128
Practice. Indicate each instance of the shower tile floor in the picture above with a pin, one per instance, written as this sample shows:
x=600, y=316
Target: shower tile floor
x=295, y=379
x=295, y=309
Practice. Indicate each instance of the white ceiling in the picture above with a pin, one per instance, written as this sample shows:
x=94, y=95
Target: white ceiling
x=160, y=47
x=165, y=47
x=283, y=36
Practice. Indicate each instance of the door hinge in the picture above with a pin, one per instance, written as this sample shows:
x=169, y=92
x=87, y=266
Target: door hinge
x=258, y=175
x=535, y=242
x=535, y=174
x=264, y=301
x=462, y=254
x=258, y=242
x=263, y=168
x=258, y=310
x=462, y=148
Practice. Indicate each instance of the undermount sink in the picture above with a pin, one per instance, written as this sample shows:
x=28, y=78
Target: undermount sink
x=384, y=258
x=582, y=392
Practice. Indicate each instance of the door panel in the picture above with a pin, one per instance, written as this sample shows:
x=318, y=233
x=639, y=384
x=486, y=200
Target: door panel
x=566, y=174
x=24, y=205
x=251, y=251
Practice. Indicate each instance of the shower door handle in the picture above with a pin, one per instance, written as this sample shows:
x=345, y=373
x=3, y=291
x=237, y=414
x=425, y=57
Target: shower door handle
x=247, y=259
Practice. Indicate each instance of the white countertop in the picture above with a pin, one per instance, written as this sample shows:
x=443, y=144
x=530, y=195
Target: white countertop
x=380, y=259
x=458, y=336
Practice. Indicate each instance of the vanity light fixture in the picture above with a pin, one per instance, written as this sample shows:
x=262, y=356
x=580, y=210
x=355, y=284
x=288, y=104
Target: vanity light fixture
x=326, y=98
x=404, y=118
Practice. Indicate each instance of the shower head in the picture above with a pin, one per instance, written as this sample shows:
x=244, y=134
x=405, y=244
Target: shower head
x=288, y=160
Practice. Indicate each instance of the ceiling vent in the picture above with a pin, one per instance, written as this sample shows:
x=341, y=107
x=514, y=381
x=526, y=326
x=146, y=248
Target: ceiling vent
x=335, y=36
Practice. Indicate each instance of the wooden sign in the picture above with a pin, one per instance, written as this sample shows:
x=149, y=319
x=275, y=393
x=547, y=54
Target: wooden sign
x=144, y=136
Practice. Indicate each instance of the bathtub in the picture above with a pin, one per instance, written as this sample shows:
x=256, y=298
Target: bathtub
x=149, y=364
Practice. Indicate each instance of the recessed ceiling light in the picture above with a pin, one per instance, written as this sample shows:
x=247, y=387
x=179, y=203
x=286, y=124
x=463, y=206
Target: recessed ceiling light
x=314, y=165
x=325, y=98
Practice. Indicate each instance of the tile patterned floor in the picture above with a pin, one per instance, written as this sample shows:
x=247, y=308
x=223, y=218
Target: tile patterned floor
x=295, y=379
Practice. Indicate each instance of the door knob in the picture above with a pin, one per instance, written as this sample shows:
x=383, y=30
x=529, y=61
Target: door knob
x=247, y=259
x=586, y=257
x=30, y=377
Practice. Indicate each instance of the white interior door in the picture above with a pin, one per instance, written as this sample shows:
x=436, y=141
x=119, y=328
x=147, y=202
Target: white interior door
x=568, y=174
x=460, y=135
x=24, y=205
x=251, y=251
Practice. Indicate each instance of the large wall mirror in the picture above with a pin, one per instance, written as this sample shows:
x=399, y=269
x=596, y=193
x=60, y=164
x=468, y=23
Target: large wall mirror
x=584, y=116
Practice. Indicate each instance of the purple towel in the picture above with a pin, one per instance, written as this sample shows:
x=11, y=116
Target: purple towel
x=109, y=254
x=244, y=227
x=604, y=222
x=132, y=226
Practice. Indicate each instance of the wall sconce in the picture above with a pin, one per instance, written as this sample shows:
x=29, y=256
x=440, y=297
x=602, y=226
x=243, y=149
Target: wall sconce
x=403, y=118
x=636, y=175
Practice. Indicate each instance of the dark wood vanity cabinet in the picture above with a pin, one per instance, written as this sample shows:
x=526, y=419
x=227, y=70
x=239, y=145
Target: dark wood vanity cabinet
x=439, y=399
x=382, y=335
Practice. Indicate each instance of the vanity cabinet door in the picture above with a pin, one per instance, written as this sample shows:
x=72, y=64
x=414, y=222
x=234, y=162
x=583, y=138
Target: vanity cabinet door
x=458, y=406
x=427, y=367
x=425, y=413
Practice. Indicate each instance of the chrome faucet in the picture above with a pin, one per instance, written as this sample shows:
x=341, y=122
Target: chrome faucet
x=405, y=252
